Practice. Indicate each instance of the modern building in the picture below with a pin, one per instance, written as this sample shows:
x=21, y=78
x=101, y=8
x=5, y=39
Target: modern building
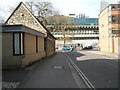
x=24, y=39
x=109, y=27
x=84, y=31
x=85, y=21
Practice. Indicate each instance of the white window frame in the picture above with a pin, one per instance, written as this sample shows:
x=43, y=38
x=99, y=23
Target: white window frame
x=18, y=47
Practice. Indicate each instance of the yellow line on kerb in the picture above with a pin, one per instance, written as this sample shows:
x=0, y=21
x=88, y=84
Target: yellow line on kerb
x=87, y=82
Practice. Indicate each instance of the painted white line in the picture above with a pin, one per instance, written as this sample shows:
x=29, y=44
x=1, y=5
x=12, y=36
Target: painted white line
x=85, y=79
x=78, y=81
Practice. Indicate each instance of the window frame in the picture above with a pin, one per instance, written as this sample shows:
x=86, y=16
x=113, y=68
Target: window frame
x=21, y=45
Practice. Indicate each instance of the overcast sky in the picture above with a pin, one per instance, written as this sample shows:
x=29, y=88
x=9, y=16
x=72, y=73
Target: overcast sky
x=90, y=8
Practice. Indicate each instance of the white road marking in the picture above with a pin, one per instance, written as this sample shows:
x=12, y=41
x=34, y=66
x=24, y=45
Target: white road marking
x=87, y=82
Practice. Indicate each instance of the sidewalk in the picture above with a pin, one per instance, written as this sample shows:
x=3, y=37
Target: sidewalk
x=53, y=72
x=110, y=55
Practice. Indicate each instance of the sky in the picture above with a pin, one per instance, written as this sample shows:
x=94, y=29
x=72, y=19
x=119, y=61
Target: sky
x=90, y=8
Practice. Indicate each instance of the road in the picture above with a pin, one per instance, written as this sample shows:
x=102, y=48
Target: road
x=57, y=72
x=101, y=71
x=53, y=72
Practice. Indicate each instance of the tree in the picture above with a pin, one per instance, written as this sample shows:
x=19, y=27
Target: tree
x=41, y=10
x=58, y=23
x=30, y=4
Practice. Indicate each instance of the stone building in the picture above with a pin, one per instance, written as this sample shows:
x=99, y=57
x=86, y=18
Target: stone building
x=21, y=46
x=49, y=43
x=24, y=39
x=109, y=27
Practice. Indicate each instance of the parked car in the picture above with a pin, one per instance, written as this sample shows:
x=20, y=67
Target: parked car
x=87, y=47
x=66, y=48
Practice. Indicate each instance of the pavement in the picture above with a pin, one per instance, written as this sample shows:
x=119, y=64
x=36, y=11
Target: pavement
x=101, y=70
x=109, y=55
x=53, y=72
x=96, y=51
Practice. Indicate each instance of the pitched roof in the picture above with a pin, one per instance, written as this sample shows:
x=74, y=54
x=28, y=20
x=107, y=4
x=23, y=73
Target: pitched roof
x=13, y=12
x=34, y=21
x=46, y=29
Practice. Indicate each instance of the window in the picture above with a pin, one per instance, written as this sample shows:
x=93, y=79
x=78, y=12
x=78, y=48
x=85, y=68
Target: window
x=113, y=19
x=112, y=7
x=36, y=43
x=18, y=40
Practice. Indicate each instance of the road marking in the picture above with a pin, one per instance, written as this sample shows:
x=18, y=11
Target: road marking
x=76, y=76
x=85, y=79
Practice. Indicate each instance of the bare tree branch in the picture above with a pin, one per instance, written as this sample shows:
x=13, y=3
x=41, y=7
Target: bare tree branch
x=31, y=5
x=58, y=23
x=41, y=10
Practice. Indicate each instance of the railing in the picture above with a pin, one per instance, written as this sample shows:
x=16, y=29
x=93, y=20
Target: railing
x=74, y=33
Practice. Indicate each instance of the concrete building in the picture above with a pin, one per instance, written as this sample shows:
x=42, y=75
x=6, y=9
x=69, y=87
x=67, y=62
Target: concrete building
x=84, y=31
x=25, y=39
x=109, y=27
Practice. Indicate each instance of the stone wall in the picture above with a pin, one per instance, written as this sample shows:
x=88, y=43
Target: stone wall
x=23, y=16
x=50, y=45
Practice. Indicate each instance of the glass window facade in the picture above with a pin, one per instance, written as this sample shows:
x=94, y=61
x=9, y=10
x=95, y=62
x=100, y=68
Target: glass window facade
x=85, y=21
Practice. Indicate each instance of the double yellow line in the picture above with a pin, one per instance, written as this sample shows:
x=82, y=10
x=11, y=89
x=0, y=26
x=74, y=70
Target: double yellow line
x=80, y=73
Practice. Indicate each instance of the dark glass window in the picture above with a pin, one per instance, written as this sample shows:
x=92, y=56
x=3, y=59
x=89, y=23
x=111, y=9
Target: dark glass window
x=36, y=43
x=113, y=19
x=18, y=42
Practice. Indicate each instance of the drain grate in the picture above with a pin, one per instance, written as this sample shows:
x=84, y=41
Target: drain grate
x=57, y=67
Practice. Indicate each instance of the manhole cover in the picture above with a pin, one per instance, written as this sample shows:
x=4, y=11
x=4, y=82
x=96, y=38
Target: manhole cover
x=58, y=67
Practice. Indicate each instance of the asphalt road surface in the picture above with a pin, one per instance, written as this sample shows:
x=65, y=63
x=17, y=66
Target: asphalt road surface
x=57, y=72
x=101, y=71
x=53, y=72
